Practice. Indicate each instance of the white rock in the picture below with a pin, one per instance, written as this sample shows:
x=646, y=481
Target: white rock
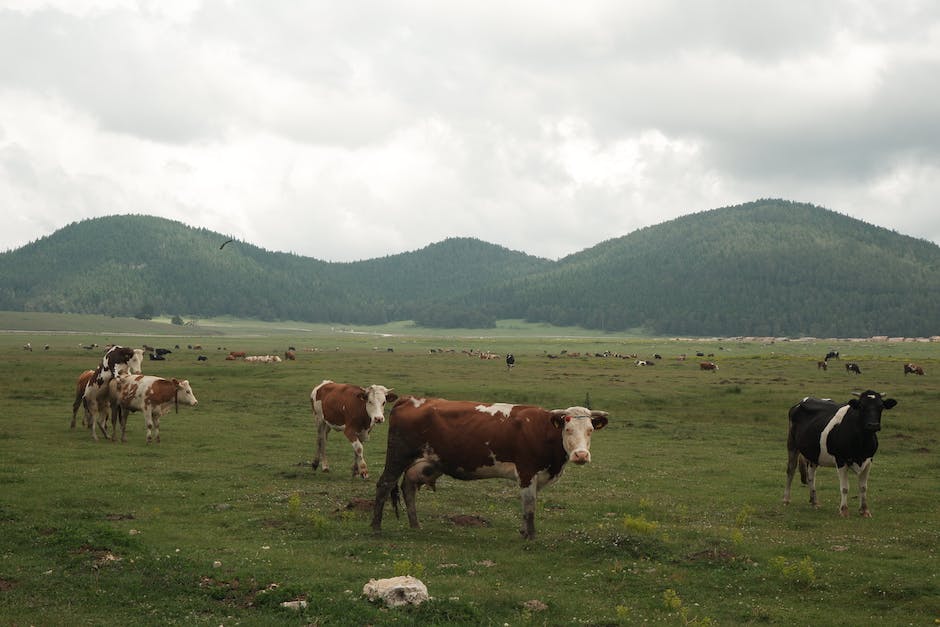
x=405, y=590
x=294, y=605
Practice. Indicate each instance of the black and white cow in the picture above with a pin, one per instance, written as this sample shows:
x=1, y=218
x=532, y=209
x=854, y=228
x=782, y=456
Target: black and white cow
x=825, y=433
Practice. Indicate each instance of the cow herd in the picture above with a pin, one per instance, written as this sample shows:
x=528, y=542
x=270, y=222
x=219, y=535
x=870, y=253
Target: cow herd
x=465, y=440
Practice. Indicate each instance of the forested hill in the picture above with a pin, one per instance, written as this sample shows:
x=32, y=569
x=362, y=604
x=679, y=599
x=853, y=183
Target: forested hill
x=769, y=267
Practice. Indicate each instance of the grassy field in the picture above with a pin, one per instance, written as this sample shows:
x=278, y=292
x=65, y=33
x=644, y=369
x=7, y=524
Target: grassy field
x=677, y=521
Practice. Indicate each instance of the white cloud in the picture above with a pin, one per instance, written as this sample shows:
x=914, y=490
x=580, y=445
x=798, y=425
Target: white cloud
x=352, y=131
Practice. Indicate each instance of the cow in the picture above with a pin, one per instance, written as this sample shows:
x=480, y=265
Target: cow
x=430, y=437
x=644, y=362
x=913, y=369
x=853, y=367
x=510, y=361
x=290, y=355
x=236, y=354
x=80, y=386
x=202, y=358
x=351, y=409
x=708, y=365
x=153, y=396
x=116, y=360
x=825, y=433
x=832, y=355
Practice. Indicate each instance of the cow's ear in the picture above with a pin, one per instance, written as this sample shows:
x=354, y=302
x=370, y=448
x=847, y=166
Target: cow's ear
x=599, y=419
x=889, y=403
x=558, y=417
x=391, y=397
x=362, y=395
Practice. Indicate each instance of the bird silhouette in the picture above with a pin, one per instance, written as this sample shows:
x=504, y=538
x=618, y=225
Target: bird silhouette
x=224, y=243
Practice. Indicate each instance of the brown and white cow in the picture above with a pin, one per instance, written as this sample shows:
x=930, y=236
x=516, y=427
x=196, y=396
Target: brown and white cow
x=430, y=437
x=913, y=369
x=80, y=385
x=351, y=409
x=153, y=396
x=116, y=360
x=708, y=365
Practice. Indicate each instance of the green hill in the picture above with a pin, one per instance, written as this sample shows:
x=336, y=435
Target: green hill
x=769, y=267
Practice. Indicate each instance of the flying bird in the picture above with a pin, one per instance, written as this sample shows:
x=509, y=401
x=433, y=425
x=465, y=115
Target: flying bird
x=225, y=242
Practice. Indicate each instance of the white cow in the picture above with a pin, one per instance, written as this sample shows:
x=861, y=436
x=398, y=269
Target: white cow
x=153, y=396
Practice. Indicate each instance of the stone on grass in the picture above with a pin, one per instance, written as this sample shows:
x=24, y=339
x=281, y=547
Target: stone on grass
x=396, y=591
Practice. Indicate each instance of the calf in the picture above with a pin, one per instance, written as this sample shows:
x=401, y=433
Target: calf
x=153, y=396
x=824, y=433
x=430, y=437
x=352, y=410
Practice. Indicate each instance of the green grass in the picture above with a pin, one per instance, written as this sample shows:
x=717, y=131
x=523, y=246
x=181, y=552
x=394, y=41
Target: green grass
x=678, y=520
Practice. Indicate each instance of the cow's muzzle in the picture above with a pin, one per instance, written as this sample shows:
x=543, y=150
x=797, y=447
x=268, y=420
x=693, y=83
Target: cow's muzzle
x=580, y=457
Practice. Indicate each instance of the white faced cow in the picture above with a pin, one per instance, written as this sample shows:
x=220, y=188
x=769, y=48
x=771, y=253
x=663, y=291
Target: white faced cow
x=153, y=396
x=430, y=437
x=352, y=410
x=825, y=433
x=117, y=360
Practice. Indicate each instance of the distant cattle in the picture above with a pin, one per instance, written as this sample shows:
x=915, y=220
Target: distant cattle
x=153, y=396
x=236, y=355
x=116, y=360
x=913, y=369
x=263, y=359
x=510, y=361
x=644, y=362
x=163, y=351
x=825, y=433
x=822, y=365
x=157, y=357
x=351, y=409
x=430, y=437
x=853, y=367
x=708, y=365
x=290, y=355
x=832, y=355
x=28, y=347
x=202, y=358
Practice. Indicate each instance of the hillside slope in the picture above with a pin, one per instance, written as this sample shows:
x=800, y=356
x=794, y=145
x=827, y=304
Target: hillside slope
x=770, y=267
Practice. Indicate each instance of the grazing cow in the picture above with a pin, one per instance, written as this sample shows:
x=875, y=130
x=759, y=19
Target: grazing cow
x=853, y=367
x=708, y=365
x=822, y=365
x=290, y=355
x=832, y=355
x=430, y=437
x=237, y=354
x=202, y=358
x=28, y=347
x=354, y=411
x=913, y=369
x=824, y=433
x=644, y=362
x=116, y=360
x=510, y=361
x=154, y=396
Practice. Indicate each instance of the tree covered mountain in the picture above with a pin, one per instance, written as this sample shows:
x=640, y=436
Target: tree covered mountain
x=769, y=267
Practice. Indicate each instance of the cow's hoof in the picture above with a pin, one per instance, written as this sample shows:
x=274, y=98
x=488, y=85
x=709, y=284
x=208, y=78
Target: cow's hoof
x=865, y=514
x=844, y=512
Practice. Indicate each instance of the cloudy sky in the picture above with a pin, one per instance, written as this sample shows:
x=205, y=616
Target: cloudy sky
x=353, y=130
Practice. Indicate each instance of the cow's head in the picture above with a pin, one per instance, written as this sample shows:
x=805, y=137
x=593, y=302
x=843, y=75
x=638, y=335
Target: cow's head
x=184, y=392
x=375, y=397
x=577, y=424
x=869, y=406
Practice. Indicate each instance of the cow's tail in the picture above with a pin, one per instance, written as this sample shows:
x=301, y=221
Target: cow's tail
x=802, y=464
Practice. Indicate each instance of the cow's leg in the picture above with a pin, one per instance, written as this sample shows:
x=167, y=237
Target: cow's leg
x=528, y=510
x=843, y=490
x=409, y=490
x=863, y=488
x=792, y=461
x=323, y=430
x=148, y=421
x=359, y=468
x=397, y=459
x=156, y=427
x=811, y=482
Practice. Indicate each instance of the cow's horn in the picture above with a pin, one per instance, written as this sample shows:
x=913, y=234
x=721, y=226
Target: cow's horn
x=856, y=393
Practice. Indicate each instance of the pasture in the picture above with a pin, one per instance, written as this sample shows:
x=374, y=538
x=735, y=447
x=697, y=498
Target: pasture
x=678, y=519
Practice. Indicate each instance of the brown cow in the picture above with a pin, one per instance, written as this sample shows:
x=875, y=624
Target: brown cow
x=913, y=369
x=352, y=410
x=822, y=365
x=430, y=437
x=708, y=365
x=80, y=386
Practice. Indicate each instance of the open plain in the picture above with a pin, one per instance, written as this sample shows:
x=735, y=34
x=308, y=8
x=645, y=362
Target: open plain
x=678, y=519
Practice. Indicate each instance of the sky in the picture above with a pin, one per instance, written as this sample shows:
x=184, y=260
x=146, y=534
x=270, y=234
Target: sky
x=346, y=131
